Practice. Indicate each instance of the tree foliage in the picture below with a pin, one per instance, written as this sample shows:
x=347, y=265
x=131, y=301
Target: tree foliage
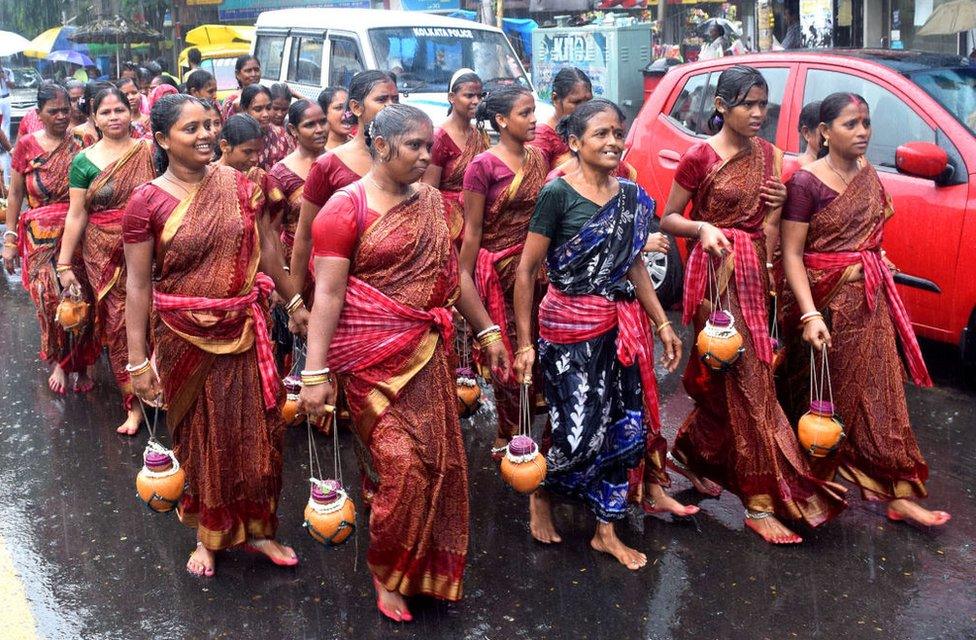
x=29, y=19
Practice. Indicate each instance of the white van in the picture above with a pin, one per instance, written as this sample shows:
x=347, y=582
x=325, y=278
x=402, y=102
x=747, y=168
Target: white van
x=314, y=48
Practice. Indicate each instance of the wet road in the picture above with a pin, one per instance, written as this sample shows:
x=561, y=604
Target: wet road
x=80, y=557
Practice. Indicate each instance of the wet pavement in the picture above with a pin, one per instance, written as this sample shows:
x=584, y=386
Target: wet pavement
x=93, y=562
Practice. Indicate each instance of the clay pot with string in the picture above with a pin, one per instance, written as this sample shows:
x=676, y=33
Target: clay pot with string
x=819, y=430
x=330, y=515
x=468, y=392
x=290, y=412
x=523, y=467
x=71, y=314
x=719, y=344
x=161, y=481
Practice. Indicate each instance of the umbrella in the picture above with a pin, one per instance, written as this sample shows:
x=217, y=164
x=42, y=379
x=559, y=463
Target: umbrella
x=219, y=33
x=950, y=18
x=11, y=43
x=54, y=39
x=729, y=27
x=115, y=30
x=74, y=57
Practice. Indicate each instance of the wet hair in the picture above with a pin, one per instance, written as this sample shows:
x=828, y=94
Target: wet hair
x=364, y=82
x=209, y=105
x=243, y=60
x=567, y=79
x=167, y=80
x=121, y=82
x=163, y=116
x=197, y=80
x=575, y=123
x=71, y=83
x=193, y=56
x=91, y=89
x=296, y=111
x=328, y=95
x=280, y=90
x=106, y=91
x=809, y=116
x=392, y=123
x=462, y=79
x=145, y=75
x=238, y=129
x=251, y=92
x=499, y=102
x=830, y=109
x=734, y=84
x=154, y=68
x=48, y=91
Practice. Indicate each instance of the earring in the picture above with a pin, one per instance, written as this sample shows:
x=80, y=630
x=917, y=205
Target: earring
x=826, y=143
x=503, y=126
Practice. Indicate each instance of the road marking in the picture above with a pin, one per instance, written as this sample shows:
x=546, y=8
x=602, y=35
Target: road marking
x=16, y=619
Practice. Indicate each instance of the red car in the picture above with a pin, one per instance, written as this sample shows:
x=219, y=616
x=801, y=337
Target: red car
x=923, y=111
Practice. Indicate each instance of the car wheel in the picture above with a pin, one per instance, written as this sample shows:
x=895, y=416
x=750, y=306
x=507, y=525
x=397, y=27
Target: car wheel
x=667, y=274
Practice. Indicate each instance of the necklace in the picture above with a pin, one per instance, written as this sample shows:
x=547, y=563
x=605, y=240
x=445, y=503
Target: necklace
x=838, y=173
x=380, y=187
x=181, y=184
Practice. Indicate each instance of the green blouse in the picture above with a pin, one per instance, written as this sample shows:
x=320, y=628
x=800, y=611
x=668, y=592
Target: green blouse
x=560, y=212
x=83, y=171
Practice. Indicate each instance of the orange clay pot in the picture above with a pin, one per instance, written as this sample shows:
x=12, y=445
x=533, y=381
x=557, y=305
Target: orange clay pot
x=719, y=344
x=330, y=515
x=290, y=412
x=160, y=482
x=468, y=395
x=819, y=431
x=523, y=467
x=71, y=314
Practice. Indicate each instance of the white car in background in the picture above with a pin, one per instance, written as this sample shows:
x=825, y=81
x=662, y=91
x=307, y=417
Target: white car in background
x=314, y=48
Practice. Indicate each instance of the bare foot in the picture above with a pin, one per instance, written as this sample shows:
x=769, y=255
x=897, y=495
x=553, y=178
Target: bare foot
x=84, y=383
x=540, y=518
x=391, y=604
x=275, y=551
x=701, y=485
x=772, y=530
x=902, y=509
x=131, y=425
x=605, y=539
x=201, y=562
x=657, y=501
x=58, y=381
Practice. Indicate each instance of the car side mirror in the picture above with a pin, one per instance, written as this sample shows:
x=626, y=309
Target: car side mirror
x=922, y=159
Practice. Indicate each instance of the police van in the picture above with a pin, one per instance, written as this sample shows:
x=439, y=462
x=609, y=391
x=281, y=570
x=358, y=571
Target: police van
x=314, y=48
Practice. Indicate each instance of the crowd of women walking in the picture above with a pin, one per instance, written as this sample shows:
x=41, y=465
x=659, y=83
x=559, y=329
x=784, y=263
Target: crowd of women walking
x=205, y=236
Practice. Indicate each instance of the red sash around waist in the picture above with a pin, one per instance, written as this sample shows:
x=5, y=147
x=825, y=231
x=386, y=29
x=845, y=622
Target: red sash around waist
x=490, y=287
x=52, y=214
x=373, y=328
x=876, y=274
x=169, y=304
x=567, y=319
x=749, y=286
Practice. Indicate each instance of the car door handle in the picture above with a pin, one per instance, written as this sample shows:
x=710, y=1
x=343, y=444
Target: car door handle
x=669, y=158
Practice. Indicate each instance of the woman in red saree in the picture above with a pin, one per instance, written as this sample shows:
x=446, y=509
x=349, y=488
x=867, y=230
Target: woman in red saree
x=194, y=251
x=501, y=186
x=570, y=88
x=369, y=93
x=842, y=295
x=247, y=70
x=386, y=275
x=141, y=127
x=737, y=436
x=456, y=143
x=40, y=172
x=102, y=180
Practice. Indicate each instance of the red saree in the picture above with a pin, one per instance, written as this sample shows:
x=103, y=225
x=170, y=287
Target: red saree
x=453, y=161
x=290, y=185
x=867, y=325
x=213, y=355
x=277, y=145
x=505, y=226
x=105, y=200
x=554, y=149
x=39, y=232
x=85, y=134
x=390, y=349
x=737, y=434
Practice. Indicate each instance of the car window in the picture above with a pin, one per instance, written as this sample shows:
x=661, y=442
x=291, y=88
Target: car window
x=893, y=123
x=268, y=51
x=687, y=109
x=696, y=102
x=305, y=63
x=344, y=62
x=224, y=73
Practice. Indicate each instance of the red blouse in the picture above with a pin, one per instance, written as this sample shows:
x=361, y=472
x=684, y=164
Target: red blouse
x=327, y=175
x=694, y=166
x=25, y=149
x=550, y=144
x=806, y=194
x=444, y=150
x=146, y=214
x=489, y=176
x=335, y=230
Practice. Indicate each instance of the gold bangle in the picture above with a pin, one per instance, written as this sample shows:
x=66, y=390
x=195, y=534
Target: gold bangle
x=12, y=245
x=664, y=325
x=293, y=304
x=138, y=371
x=61, y=268
x=489, y=340
x=813, y=317
x=314, y=381
x=524, y=349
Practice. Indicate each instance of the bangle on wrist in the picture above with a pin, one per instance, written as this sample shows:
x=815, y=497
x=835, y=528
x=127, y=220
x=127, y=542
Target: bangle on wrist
x=319, y=372
x=138, y=369
x=810, y=315
x=10, y=233
x=487, y=330
x=701, y=225
x=61, y=268
x=293, y=304
x=524, y=349
x=664, y=325
x=12, y=245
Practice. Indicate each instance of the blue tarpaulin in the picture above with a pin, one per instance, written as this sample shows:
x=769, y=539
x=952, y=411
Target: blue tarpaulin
x=520, y=28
